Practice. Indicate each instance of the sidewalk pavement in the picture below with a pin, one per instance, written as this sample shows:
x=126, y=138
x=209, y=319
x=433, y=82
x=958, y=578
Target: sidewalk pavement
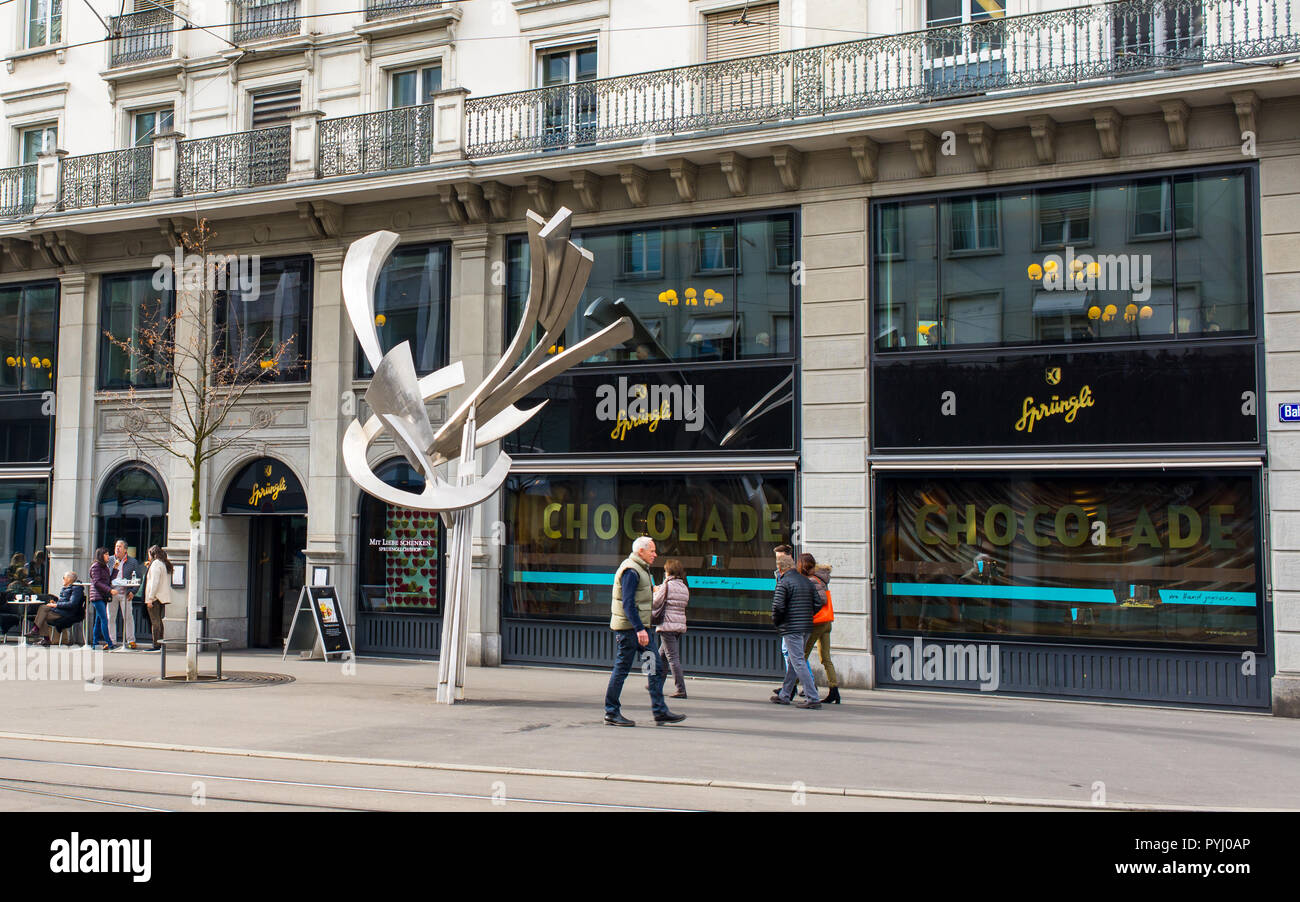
x=899, y=741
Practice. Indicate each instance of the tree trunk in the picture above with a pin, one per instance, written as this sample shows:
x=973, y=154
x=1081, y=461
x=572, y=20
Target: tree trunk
x=192, y=595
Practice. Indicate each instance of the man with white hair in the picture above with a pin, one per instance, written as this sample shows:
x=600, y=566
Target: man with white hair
x=630, y=621
x=61, y=614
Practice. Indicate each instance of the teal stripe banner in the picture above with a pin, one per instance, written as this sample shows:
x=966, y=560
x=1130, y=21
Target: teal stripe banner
x=575, y=578
x=1066, y=593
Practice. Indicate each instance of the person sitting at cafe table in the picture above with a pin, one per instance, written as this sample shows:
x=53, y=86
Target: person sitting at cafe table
x=18, y=581
x=61, y=614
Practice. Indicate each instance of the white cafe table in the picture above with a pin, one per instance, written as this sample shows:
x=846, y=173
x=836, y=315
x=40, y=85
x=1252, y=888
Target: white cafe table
x=31, y=602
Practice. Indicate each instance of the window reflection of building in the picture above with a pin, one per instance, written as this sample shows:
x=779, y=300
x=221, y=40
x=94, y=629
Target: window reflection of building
x=268, y=327
x=1136, y=234
x=24, y=527
x=133, y=507
x=130, y=308
x=411, y=304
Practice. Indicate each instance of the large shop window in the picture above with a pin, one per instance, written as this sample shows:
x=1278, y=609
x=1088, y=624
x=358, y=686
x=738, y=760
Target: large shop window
x=24, y=529
x=269, y=327
x=1166, y=560
x=28, y=330
x=132, y=507
x=568, y=534
x=1134, y=259
x=411, y=305
x=700, y=290
x=399, y=550
x=132, y=315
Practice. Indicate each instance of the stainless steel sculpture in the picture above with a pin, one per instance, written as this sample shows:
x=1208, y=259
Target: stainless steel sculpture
x=397, y=396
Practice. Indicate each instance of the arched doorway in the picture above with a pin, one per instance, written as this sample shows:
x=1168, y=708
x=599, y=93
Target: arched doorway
x=268, y=493
x=132, y=506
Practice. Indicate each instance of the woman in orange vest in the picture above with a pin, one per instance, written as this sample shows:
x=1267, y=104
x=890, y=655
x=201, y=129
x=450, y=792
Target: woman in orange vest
x=821, y=631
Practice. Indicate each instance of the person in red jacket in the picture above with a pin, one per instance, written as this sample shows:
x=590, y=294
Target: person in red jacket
x=821, y=629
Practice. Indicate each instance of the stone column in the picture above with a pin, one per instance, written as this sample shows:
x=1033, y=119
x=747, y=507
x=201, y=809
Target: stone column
x=834, y=479
x=166, y=161
x=73, y=409
x=1280, y=192
x=449, y=125
x=476, y=316
x=330, y=542
x=303, y=149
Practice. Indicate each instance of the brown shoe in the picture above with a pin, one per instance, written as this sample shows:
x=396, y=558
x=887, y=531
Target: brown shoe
x=45, y=642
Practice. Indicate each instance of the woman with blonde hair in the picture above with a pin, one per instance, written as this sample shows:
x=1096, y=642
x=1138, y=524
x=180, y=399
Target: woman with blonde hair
x=668, y=614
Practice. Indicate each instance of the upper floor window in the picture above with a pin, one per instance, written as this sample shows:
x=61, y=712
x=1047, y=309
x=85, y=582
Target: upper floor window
x=410, y=87
x=28, y=328
x=267, y=328
x=146, y=124
x=34, y=141
x=274, y=106
x=133, y=315
x=745, y=31
x=1153, y=258
x=697, y=290
x=570, y=114
x=962, y=12
x=411, y=304
x=44, y=22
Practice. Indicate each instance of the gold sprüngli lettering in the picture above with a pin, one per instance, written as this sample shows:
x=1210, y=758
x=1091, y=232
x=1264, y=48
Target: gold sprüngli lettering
x=1033, y=412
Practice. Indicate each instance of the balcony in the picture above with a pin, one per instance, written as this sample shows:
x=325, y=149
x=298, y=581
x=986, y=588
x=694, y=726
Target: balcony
x=375, y=142
x=383, y=9
x=1066, y=47
x=229, y=162
x=142, y=36
x=17, y=191
x=106, y=179
x=257, y=19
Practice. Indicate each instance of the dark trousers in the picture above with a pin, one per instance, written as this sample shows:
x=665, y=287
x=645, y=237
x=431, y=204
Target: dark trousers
x=156, y=612
x=671, y=649
x=626, y=652
x=51, y=617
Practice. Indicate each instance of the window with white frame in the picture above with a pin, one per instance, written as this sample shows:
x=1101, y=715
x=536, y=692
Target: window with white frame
x=44, y=22
x=145, y=124
x=570, y=109
x=410, y=87
x=35, y=140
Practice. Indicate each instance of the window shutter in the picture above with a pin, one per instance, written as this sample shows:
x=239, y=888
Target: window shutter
x=725, y=40
x=274, y=107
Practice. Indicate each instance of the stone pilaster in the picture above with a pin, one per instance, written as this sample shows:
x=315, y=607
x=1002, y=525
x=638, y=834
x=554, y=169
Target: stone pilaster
x=834, y=512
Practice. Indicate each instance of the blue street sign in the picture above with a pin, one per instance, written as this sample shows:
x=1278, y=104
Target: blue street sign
x=1288, y=413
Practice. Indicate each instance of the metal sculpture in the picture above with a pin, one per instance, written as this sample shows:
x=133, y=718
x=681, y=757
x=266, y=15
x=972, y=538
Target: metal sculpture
x=559, y=270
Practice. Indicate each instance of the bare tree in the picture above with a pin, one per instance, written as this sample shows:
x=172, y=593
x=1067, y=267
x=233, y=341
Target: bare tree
x=206, y=352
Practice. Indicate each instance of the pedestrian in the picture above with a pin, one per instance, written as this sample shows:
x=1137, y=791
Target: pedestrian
x=61, y=614
x=126, y=570
x=157, y=591
x=100, y=591
x=776, y=574
x=670, y=600
x=629, y=619
x=793, y=606
x=821, y=629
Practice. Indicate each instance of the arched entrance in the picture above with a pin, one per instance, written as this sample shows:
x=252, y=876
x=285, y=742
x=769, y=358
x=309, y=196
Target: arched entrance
x=268, y=493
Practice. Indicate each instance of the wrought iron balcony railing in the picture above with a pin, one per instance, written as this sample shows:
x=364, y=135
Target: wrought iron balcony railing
x=380, y=9
x=227, y=162
x=141, y=36
x=106, y=179
x=17, y=191
x=265, y=19
x=375, y=142
x=1064, y=47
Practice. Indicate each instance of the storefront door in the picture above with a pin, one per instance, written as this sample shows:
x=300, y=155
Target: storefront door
x=277, y=571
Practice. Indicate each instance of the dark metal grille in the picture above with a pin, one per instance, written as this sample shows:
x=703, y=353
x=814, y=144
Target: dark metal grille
x=416, y=635
x=730, y=652
x=104, y=179
x=17, y=190
x=378, y=9
x=375, y=142
x=240, y=160
x=1063, y=47
x=265, y=19
x=141, y=36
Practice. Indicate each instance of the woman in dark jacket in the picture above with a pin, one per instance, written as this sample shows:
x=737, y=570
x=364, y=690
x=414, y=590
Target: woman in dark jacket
x=100, y=590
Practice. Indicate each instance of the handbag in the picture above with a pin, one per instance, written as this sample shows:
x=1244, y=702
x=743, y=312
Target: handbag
x=657, y=608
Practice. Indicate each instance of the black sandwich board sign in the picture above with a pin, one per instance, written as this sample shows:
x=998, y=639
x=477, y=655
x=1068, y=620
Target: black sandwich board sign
x=318, y=605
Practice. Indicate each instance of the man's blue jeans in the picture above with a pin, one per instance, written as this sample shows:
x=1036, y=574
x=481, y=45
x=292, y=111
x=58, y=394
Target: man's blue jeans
x=628, y=652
